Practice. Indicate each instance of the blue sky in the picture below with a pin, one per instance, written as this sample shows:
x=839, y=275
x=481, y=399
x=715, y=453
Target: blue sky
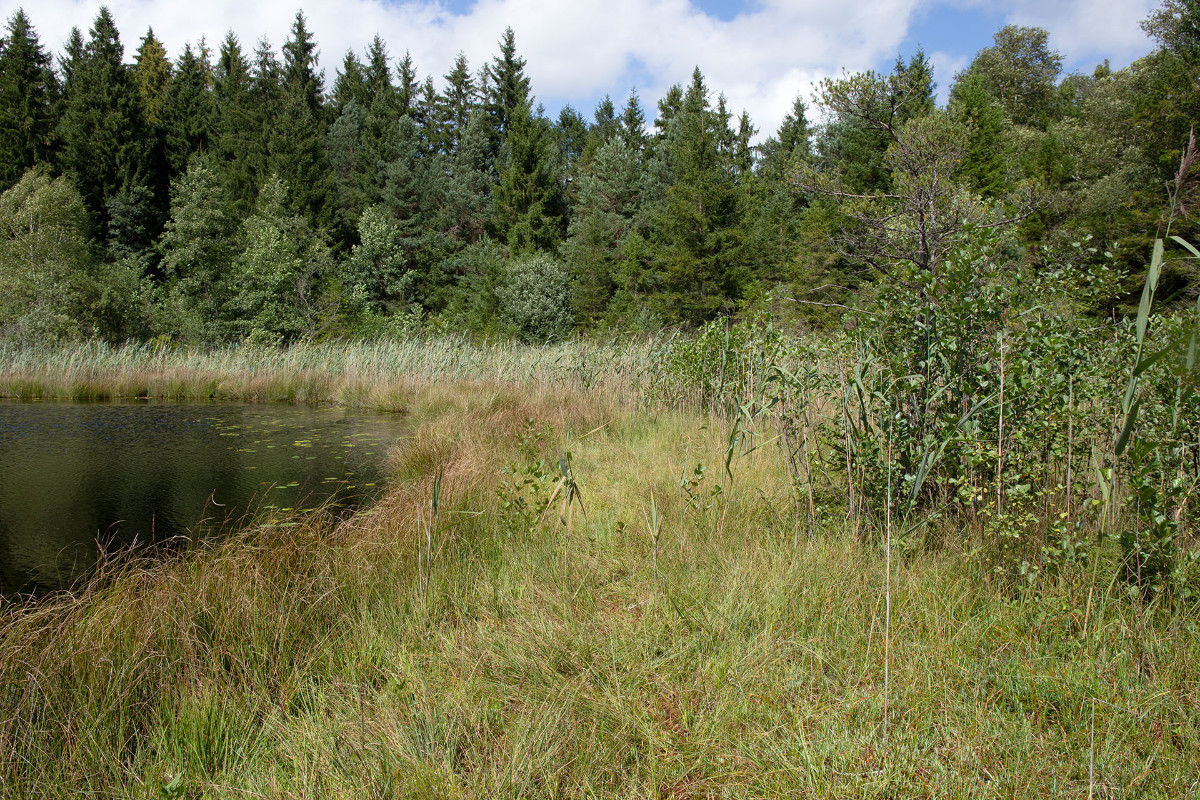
x=760, y=53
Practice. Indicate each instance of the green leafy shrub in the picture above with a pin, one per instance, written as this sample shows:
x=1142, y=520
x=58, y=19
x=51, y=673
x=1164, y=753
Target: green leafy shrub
x=535, y=299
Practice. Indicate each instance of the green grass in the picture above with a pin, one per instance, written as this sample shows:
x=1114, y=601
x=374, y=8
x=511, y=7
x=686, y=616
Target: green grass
x=302, y=660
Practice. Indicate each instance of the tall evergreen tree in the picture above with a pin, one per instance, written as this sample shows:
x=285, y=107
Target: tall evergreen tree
x=507, y=87
x=633, y=123
x=454, y=106
x=377, y=74
x=188, y=112
x=235, y=126
x=408, y=89
x=988, y=133
x=72, y=56
x=152, y=73
x=606, y=125
x=574, y=138
x=698, y=227
x=530, y=212
x=350, y=84
x=790, y=144
x=102, y=128
x=28, y=101
x=300, y=73
x=608, y=212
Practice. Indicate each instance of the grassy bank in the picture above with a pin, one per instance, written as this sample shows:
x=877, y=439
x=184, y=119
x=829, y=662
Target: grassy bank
x=509, y=645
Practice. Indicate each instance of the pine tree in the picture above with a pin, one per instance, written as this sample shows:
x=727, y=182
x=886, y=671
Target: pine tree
x=350, y=85
x=377, y=74
x=633, y=123
x=607, y=213
x=574, y=140
x=296, y=153
x=606, y=126
x=354, y=168
x=266, y=105
x=408, y=89
x=984, y=165
x=28, y=101
x=781, y=153
x=72, y=56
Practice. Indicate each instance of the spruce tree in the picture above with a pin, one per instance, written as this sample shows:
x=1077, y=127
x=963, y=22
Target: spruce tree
x=697, y=230
x=408, y=87
x=574, y=138
x=102, y=128
x=350, y=85
x=530, y=212
x=377, y=74
x=607, y=212
x=507, y=87
x=28, y=101
x=152, y=73
x=633, y=123
x=300, y=72
x=234, y=131
x=188, y=112
x=453, y=106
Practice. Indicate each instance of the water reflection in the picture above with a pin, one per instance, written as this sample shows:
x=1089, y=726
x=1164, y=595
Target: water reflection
x=73, y=476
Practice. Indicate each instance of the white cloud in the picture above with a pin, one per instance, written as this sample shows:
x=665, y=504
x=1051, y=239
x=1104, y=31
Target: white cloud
x=580, y=49
x=1084, y=31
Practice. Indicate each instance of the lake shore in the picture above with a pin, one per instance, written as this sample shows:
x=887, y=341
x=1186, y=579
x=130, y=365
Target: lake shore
x=646, y=616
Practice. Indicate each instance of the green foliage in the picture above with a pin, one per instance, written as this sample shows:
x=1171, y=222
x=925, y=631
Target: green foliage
x=697, y=228
x=187, y=111
x=152, y=74
x=44, y=260
x=28, y=101
x=609, y=210
x=535, y=299
x=722, y=366
x=102, y=128
x=198, y=249
x=529, y=200
x=1020, y=71
x=376, y=267
x=279, y=272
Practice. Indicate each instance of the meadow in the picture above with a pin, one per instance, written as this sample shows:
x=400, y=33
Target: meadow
x=640, y=569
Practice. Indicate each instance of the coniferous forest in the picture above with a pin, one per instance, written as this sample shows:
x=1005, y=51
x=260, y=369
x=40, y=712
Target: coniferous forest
x=238, y=194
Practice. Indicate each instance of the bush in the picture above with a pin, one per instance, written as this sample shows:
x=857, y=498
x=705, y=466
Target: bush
x=535, y=299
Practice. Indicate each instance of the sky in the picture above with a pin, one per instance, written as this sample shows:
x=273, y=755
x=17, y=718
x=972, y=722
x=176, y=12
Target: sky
x=761, y=54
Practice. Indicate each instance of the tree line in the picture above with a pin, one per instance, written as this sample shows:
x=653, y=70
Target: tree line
x=232, y=195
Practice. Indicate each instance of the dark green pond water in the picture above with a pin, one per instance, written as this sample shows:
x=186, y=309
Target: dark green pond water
x=76, y=478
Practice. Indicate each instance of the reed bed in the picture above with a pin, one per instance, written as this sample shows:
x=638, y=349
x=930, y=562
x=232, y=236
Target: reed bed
x=359, y=374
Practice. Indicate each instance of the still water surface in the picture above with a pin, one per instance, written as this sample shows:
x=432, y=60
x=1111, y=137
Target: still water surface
x=75, y=477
